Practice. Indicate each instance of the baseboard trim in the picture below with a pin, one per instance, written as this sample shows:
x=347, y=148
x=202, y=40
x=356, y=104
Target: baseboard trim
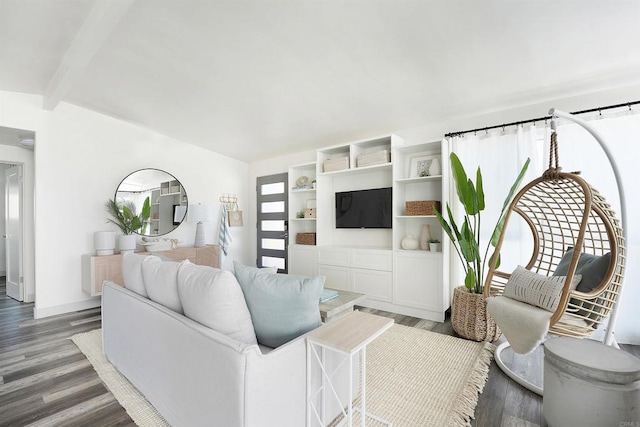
x=39, y=313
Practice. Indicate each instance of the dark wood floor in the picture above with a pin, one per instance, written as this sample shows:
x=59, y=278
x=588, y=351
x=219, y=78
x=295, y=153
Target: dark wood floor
x=46, y=381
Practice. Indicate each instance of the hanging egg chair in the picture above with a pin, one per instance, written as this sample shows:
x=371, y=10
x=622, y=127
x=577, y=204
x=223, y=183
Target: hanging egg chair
x=578, y=243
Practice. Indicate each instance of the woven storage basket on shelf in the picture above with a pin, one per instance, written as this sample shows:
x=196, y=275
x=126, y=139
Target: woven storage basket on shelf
x=422, y=207
x=469, y=316
x=337, y=164
x=306, y=238
x=370, y=159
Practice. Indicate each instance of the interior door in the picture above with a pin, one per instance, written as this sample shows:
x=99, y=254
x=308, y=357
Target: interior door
x=13, y=232
x=272, y=226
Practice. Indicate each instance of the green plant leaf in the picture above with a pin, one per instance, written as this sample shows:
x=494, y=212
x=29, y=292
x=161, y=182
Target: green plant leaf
x=453, y=223
x=468, y=243
x=460, y=178
x=516, y=185
x=479, y=190
x=445, y=226
x=146, y=210
x=470, y=279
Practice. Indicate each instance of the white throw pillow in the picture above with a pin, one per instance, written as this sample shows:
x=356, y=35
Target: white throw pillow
x=132, y=273
x=536, y=289
x=161, y=282
x=214, y=298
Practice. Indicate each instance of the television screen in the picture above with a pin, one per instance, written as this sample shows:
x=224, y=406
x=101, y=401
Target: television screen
x=364, y=208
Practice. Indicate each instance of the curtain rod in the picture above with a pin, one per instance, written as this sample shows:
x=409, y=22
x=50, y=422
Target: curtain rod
x=539, y=119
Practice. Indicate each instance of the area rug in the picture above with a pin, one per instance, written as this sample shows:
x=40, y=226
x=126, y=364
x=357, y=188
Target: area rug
x=414, y=378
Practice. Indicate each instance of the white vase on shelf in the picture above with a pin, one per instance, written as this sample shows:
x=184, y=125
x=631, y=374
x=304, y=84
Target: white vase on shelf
x=425, y=236
x=409, y=242
x=434, y=168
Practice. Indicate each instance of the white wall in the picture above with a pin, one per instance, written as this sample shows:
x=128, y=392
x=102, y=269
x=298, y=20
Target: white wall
x=80, y=158
x=626, y=330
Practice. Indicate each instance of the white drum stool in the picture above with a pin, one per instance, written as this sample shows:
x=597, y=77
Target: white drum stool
x=587, y=383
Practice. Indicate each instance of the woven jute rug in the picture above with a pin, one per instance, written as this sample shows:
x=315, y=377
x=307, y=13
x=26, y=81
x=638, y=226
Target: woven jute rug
x=414, y=378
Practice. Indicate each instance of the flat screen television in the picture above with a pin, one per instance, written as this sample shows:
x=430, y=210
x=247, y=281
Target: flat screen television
x=364, y=208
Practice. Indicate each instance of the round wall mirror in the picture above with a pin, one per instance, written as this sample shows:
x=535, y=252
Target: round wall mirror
x=167, y=199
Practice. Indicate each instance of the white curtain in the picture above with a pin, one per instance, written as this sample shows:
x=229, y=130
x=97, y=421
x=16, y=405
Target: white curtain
x=500, y=156
x=579, y=151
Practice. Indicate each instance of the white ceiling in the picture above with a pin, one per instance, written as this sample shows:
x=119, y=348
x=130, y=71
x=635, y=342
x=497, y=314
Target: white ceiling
x=254, y=79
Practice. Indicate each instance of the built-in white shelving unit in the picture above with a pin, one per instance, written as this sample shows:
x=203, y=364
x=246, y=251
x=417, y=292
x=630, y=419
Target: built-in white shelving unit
x=372, y=261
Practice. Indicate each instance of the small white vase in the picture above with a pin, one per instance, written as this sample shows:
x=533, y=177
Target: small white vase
x=435, y=168
x=104, y=242
x=409, y=242
x=127, y=243
x=435, y=247
x=425, y=236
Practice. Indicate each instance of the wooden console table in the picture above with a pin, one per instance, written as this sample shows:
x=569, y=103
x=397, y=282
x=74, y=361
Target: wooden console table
x=97, y=269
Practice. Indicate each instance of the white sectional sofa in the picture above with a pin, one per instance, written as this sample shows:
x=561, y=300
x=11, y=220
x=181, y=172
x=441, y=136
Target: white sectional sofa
x=197, y=376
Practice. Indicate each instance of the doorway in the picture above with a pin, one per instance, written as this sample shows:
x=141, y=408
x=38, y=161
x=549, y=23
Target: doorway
x=272, y=224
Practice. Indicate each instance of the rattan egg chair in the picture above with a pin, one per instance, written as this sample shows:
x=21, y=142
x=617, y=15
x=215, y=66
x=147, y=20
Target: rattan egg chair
x=563, y=211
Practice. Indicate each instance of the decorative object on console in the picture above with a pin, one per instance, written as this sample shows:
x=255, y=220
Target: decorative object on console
x=409, y=242
x=104, y=242
x=434, y=245
x=198, y=213
x=425, y=237
x=156, y=245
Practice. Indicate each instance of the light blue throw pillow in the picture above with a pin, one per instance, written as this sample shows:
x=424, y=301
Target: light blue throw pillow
x=282, y=307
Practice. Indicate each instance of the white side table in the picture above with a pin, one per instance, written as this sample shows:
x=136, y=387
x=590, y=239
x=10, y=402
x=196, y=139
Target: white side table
x=347, y=335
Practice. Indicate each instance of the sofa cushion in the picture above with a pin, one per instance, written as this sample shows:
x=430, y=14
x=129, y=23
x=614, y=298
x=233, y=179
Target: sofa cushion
x=213, y=298
x=132, y=273
x=535, y=289
x=282, y=307
x=591, y=267
x=161, y=282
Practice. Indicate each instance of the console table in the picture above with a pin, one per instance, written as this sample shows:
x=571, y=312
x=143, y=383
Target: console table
x=96, y=269
x=349, y=335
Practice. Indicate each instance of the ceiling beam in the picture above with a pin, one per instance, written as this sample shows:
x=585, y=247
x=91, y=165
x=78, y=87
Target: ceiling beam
x=101, y=20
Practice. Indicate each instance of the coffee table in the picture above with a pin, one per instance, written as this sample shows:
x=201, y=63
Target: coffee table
x=342, y=304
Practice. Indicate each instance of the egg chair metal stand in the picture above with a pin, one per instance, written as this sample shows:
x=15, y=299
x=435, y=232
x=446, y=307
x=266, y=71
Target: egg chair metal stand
x=563, y=211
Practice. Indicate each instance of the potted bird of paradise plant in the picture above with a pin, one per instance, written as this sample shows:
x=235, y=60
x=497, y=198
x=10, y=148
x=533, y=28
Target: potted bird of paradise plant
x=468, y=312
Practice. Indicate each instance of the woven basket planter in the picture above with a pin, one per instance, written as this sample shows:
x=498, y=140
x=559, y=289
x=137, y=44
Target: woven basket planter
x=469, y=316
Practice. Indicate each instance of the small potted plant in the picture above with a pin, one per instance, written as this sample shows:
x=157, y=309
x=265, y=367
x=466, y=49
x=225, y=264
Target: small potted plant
x=124, y=216
x=434, y=245
x=468, y=310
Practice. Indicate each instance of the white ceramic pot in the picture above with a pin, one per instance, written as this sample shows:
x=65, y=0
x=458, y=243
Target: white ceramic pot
x=127, y=243
x=104, y=242
x=434, y=247
x=435, y=168
x=409, y=242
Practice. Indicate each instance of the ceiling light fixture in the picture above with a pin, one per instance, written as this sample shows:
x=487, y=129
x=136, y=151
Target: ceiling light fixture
x=27, y=142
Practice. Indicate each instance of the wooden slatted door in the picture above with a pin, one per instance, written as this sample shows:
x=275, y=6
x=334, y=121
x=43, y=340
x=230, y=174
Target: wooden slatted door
x=272, y=226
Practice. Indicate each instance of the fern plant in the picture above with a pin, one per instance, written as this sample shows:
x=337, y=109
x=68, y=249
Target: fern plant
x=466, y=239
